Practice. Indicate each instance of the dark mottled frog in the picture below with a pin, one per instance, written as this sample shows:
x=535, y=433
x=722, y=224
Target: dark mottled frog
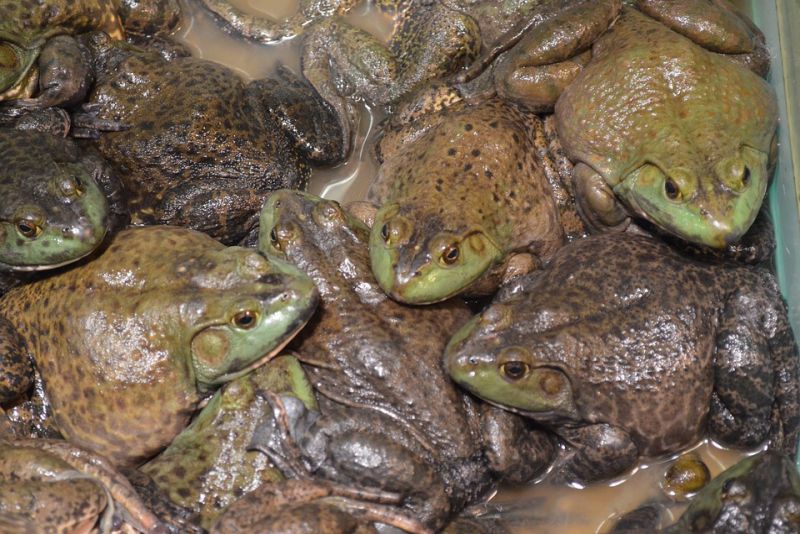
x=129, y=344
x=389, y=418
x=625, y=348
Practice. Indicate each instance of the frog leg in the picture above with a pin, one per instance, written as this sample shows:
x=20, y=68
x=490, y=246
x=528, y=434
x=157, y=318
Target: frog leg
x=87, y=125
x=756, y=371
x=596, y=202
x=16, y=368
x=65, y=75
x=303, y=114
x=594, y=452
x=517, y=451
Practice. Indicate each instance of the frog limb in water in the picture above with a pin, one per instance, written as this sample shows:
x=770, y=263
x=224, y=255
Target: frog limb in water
x=624, y=366
x=172, y=315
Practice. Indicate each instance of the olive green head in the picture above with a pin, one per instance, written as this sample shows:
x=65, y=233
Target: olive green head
x=49, y=219
x=422, y=261
x=713, y=207
x=238, y=328
x=509, y=375
x=18, y=73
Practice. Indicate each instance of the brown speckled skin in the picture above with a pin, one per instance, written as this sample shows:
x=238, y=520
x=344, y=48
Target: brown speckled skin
x=662, y=347
x=112, y=337
x=202, y=148
x=376, y=367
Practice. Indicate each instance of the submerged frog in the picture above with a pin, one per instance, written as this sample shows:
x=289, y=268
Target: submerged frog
x=42, y=65
x=666, y=143
x=59, y=202
x=53, y=486
x=758, y=494
x=129, y=344
x=197, y=146
x=389, y=417
x=210, y=464
x=468, y=197
x=627, y=349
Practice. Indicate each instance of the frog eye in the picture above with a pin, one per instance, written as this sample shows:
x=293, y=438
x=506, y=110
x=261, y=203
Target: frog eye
x=273, y=239
x=515, y=370
x=245, y=320
x=28, y=228
x=71, y=186
x=451, y=254
x=672, y=190
x=746, y=176
x=385, y=232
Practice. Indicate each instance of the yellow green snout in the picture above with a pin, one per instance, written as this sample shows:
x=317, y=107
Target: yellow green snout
x=416, y=262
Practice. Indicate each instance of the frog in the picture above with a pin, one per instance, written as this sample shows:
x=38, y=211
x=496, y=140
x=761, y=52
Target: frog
x=130, y=344
x=54, y=486
x=193, y=143
x=431, y=40
x=469, y=197
x=210, y=464
x=760, y=493
x=375, y=367
x=628, y=349
x=59, y=203
x=42, y=65
x=689, y=155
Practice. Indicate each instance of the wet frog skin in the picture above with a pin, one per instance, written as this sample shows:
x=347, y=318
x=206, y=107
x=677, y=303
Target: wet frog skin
x=375, y=365
x=42, y=65
x=129, y=344
x=198, y=147
x=627, y=349
x=465, y=195
x=59, y=202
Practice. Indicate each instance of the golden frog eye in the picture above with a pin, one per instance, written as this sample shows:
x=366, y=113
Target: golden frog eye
x=71, y=186
x=746, y=175
x=273, y=239
x=672, y=190
x=515, y=370
x=451, y=254
x=385, y=232
x=28, y=228
x=245, y=319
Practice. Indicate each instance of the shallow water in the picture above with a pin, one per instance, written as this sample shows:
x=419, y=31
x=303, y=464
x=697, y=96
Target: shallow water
x=564, y=510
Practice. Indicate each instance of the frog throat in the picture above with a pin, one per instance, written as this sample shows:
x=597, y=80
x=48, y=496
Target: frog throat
x=715, y=216
x=415, y=276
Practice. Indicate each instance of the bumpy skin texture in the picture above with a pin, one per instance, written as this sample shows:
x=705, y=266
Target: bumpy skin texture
x=473, y=182
x=211, y=464
x=130, y=343
x=678, y=147
x=626, y=348
x=199, y=147
x=376, y=368
x=59, y=202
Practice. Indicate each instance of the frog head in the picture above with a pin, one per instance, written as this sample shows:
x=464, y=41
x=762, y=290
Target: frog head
x=507, y=374
x=240, y=326
x=422, y=261
x=50, y=219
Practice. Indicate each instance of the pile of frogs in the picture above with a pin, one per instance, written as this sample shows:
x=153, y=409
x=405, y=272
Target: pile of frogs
x=562, y=268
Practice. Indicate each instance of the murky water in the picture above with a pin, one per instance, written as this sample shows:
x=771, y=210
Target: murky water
x=564, y=510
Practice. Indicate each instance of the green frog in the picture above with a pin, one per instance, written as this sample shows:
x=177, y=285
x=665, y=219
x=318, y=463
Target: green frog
x=759, y=494
x=210, y=464
x=195, y=145
x=389, y=418
x=628, y=349
x=53, y=486
x=59, y=202
x=469, y=197
x=42, y=65
x=131, y=343
x=667, y=144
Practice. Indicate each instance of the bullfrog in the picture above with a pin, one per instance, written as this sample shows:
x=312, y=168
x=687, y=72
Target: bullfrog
x=209, y=465
x=628, y=349
x=129, y=344
x=469, y=197
x=53, y=486
x=42, y=65
x=59, y=202
x=667, y=143
x=389, y=418
x=195, y=145
x=759, y=494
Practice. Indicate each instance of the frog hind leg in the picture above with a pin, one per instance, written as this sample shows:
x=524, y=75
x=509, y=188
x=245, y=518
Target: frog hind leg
x=16, y=368
x=304, y=115
x=757, y=388
x=594, y=452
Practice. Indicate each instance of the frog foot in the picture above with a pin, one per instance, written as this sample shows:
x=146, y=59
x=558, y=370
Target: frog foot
x=87, y=125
